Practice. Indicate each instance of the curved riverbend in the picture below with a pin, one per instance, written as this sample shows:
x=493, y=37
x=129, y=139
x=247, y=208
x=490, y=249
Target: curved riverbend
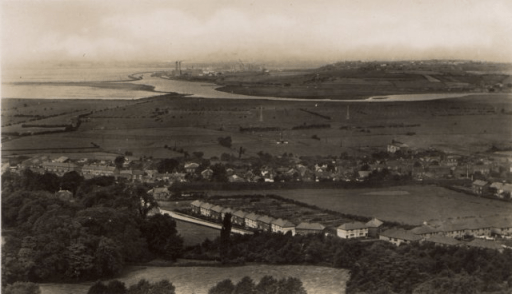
x=208, y=90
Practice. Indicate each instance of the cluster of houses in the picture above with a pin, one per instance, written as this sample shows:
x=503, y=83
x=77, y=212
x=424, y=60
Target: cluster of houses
x=62, y=165
x=419, y=164
x=451, y=232
x=500, y=190
x=254, y=221
x=441, y=233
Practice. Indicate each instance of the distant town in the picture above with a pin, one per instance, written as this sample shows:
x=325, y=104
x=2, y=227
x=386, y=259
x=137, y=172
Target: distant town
x=478, y=175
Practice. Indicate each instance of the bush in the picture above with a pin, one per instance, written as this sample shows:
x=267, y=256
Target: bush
x=226, y=142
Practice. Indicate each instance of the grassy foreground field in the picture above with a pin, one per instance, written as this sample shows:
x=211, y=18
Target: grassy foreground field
x=407, y=204
x=198, y=280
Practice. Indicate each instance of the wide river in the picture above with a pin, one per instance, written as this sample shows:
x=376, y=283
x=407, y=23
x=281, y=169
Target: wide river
x=208, y=90
x=40, y=86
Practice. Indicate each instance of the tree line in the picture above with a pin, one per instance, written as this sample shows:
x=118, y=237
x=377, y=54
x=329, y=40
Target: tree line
x=267, y=285
x=106, y=226
x=375, y=267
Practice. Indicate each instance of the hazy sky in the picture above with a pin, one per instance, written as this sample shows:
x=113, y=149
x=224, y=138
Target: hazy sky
x=325, y=31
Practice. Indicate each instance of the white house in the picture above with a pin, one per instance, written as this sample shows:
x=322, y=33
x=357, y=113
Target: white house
x=352, y=230
x=282, y=226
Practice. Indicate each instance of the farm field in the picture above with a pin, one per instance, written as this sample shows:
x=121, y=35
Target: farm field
x=144, y=127
x=16, y=110
x=279, y=209
x=406, y=204
x=198, y=280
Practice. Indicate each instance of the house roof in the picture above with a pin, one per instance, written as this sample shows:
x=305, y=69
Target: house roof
x=217, y=208
x=352, y=226
x=266, y=219
x=161, y=190
x=252, y=216
x=398, y=144
x=480, y=243
x=440, y=239
x=159, y=175
x=240, y=213
x=191, y=165
x=59, y=164
x=364, y=173
x=206, y=205
x=98, y=168
x=310, y=226
x=479, y=183
x=227, y=210
x=61, y=159
x=235, y=178
x=64, y=192
x=374, y=223
x=283, y=223
x=497, y=185
x=423, y=229
x=507, y=187
x=463, y=224
x=196, y=203
x=401, y=234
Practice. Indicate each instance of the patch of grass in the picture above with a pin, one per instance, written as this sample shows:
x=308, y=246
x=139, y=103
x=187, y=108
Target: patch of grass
x=199, y=280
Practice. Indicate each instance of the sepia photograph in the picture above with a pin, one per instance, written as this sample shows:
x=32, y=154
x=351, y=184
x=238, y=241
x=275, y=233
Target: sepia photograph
x=256, y=147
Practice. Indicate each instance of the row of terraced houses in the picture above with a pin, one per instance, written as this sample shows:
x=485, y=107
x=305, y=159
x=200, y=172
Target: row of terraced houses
x=442, y=233
x=451, y=232
x=254, y=221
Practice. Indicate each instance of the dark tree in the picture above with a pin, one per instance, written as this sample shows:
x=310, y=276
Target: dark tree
x=162, y=236
x=145, y=287
x=241, y=151
x=119, y=161
x=116, y=287
x=291, y=286
x=219, y=173
x=50, y=182
x=108, y=258
x=225, y=233
x=267, y=285
x=71, y=181
x=223, y=287
x=458, y=284
x=163, y=286
x=167, y=165
x=245, y=286
x=226, y=142
x=98, y=288
x=226, y=157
